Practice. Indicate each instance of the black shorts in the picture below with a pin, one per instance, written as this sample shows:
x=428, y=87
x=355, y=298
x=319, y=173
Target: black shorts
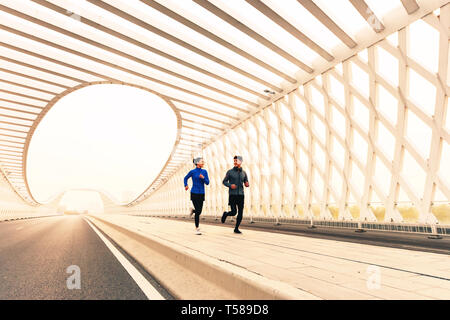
x=235, y=199
x=197, y=196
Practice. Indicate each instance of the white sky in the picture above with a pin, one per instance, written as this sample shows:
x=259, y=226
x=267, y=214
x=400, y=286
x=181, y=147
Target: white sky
x=82, y=200
x=108, y=137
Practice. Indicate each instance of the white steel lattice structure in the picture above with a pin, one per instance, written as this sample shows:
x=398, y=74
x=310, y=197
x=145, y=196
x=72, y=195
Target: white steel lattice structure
x=316, y=152
x=335, y=111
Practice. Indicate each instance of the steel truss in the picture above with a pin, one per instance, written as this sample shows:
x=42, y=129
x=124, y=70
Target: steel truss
x=291, y=147
x=259, y=101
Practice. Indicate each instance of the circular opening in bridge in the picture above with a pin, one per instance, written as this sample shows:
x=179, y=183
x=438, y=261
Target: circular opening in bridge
x=107, y=137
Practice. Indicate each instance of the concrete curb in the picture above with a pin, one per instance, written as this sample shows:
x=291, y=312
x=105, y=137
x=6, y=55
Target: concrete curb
x=188, y=274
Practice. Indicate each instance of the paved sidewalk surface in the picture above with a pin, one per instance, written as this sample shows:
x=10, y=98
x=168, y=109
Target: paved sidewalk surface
x=327, y=269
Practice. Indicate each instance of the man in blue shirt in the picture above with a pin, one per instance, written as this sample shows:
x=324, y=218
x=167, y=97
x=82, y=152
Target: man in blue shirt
x=199, y=179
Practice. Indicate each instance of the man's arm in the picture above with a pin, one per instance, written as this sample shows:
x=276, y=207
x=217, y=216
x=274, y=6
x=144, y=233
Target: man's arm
x=226, y=180
x=246, y=180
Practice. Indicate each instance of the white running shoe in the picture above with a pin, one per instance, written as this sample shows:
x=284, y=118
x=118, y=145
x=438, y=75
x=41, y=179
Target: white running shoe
x=198, y=231
x=191, y=212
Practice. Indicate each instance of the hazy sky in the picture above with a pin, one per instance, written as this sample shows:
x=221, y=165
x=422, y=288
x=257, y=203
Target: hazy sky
x=109, y=137
x=82, y=200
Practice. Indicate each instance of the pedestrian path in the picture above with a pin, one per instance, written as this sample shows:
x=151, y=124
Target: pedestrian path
x=326, y=269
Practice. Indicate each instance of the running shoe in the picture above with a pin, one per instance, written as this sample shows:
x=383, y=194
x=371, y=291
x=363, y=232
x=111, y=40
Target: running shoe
x=224, y=217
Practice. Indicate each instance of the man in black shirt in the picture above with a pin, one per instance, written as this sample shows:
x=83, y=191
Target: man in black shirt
x=235, y=179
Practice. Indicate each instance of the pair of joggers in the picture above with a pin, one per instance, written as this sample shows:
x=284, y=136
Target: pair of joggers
x=235, y=180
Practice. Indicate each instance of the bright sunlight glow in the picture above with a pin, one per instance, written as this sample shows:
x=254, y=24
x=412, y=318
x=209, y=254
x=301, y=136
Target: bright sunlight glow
x=106, y=137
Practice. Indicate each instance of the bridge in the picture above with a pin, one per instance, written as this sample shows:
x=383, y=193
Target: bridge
x=339, y=110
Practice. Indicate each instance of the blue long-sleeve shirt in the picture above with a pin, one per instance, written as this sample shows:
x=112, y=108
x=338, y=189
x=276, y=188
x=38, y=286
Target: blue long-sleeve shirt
x=198, y=184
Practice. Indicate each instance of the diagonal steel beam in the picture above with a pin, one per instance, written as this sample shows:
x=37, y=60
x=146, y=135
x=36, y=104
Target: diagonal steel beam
x=10, y=141
x=150, y=48
x=64, y=64
x=10, y=135
x=104, y=47
x=23, y=75
x=204, y=117
x=410, y=6
x=15, y=124
x=19, y=110
x=180, y=42
x=213, y=37
x=23, y=95
x=15, y=117
x=243, y=28
x=5, y=145
x=275, y=17
x=27, y=87
x=368, y=15
x=328, y=22
x=109, y=64
x=27, y=65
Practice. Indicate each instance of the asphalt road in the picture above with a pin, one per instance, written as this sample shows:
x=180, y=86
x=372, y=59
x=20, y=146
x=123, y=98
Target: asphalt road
x=35, y=256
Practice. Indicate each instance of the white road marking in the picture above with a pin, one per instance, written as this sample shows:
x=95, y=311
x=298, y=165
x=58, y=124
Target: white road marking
x=146, y=287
